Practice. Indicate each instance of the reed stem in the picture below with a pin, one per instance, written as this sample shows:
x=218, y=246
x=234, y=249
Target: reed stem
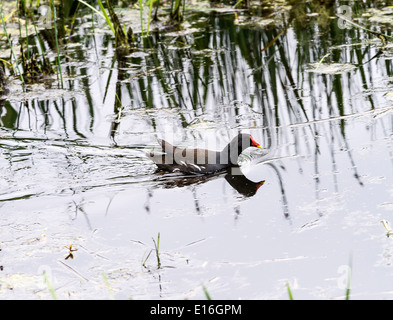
x=9, y=43
x=108, y=21
x=57, y=43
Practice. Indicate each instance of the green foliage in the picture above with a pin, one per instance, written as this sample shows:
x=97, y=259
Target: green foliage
x=207, y=295
x=108, y=21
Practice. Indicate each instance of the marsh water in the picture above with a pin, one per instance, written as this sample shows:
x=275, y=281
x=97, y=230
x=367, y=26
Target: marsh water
x=316, y=95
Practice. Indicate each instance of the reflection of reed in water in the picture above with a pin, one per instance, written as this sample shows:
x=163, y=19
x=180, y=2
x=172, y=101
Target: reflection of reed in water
x=238, y=181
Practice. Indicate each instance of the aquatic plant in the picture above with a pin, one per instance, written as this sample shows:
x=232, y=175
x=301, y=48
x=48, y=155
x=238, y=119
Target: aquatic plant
x=207, y=295
x=150, y=2
x=107, y=19
x=175, y=13
x=108, y=286
x=157, y=250
x=10, y=45
x=50, y=287
x=290, y=296
x=120, y=34
x=57, y=43
x=347, y=289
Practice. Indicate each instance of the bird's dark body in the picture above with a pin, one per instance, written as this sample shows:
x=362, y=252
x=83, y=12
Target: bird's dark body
x=201, y=161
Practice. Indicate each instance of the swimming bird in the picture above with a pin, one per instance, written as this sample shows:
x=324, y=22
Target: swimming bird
x=201, y=161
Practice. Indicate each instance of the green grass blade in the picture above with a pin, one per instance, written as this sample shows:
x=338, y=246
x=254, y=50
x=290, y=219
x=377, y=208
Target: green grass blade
x=237, y=3
x=108, y=21
x=149, y=18
x=141, y=11
x=50, y=287
x=348, y=289
x=207, y=295
x=289, y=292
x=92, y=8
x=108, y=287
x=157, y=248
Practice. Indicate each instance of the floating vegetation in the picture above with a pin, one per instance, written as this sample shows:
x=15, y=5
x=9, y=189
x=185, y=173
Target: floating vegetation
x=387, y=227
x=389, y=95
x=330, y=68
x=383, y=16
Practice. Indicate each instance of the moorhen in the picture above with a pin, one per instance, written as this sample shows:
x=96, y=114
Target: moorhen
x=201, y=161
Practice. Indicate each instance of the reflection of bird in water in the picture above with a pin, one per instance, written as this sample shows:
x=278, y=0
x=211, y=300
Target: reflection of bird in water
x=201, y=161
x=242, y=184
x=236, y=179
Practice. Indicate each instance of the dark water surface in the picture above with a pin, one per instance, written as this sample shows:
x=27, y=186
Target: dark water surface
x=318, y=97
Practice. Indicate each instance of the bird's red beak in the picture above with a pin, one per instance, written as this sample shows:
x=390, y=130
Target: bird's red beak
x=255, y=144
